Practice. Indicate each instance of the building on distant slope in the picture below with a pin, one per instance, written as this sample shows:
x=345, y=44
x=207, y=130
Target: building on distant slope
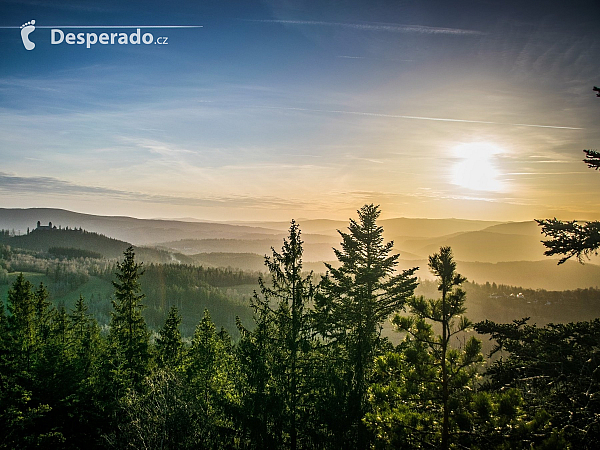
x=45, y=227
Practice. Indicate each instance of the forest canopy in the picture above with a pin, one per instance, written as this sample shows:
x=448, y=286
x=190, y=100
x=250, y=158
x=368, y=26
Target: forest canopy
x=309, y=368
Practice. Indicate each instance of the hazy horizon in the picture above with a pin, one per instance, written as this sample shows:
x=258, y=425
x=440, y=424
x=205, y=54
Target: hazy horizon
x=279, y=110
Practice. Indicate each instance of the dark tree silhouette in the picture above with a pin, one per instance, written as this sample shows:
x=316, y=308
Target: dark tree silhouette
x=592, y=159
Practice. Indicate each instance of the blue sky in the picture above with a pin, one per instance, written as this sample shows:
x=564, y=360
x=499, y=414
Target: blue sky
x=275, y=110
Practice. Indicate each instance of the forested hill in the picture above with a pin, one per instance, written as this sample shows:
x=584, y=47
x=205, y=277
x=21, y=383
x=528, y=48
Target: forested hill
x=43, y=240
x=67, y=239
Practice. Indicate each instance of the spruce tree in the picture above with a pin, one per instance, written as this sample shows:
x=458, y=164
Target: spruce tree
x=276, y=355
x=21, y=321
x=43, y=315
x=169, y=344
x=208, y=371
x=128, y=330
x=285, y=300
x=355, y=300
x=84, y=340
x=85, y=347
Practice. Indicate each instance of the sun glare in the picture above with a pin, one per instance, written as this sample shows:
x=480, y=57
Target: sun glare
x=476, y=168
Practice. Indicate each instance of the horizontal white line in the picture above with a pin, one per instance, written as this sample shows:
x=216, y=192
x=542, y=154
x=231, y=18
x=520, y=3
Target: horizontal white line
x=115, y=26
x=437, y=119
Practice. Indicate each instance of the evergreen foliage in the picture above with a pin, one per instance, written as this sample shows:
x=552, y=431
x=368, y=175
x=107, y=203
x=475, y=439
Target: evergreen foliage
x=128, y=332
x=557, y=368
x=429, y=380
x=67, y=240
x=570, y=238
x=276, y=356
x=70, y=252
x=310, y=371
x=169, y=343
x=592, y=159
x=354, y=301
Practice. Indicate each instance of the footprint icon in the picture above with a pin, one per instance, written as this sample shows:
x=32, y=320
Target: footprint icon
x=26, y=30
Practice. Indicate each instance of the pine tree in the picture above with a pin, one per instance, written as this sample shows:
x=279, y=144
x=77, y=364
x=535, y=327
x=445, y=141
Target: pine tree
x=356, y=299
x=556, y=368
x=430, y=375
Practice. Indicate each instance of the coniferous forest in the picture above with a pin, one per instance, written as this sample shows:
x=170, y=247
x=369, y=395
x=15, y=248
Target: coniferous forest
x=309, y=370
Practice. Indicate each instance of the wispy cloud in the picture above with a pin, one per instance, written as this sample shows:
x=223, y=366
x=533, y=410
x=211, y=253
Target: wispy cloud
x=436, y=119
x=49, y=185
x=385, y=27
x=371, y=160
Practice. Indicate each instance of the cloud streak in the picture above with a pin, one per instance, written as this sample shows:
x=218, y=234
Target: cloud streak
x=48, y=185
x=385, y=27
x=435, y=119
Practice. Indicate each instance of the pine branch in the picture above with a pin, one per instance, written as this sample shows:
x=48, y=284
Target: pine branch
x=592, y=159
x=570, y=238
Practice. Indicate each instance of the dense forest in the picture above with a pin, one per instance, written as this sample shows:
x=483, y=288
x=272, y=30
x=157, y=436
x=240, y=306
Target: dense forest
x=308, y=368
x=68, y=272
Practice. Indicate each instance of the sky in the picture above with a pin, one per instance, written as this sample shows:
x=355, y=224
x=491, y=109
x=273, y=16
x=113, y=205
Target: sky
x=273, y=110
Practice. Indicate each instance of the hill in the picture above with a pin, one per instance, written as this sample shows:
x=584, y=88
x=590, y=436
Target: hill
x=401, y=226
x=544, y=274
x=313, y=251
x=129, y=229
x=41, y=240
x=482, y=246
x=501, y=252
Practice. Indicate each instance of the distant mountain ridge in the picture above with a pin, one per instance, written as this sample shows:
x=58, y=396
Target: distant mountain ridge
x=501, y=252
x=130, y=229
x=471, y=240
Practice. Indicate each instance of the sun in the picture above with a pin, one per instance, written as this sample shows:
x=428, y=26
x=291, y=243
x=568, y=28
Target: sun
x=476, y=168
